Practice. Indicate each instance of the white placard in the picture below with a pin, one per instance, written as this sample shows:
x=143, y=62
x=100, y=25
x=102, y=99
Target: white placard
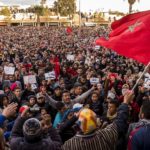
x=31, y=79
x=70, y=57
x=94, y=81
x=97, y=47
x=9, y=70
x=50, y=75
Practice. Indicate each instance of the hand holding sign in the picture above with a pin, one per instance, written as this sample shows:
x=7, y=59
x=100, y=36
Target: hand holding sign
x=50, y=75
x=94, y=81
x=9, y=70
x=29, y=79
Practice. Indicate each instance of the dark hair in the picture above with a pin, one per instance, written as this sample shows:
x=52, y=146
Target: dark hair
x=59, y=105
x=146, y=109
x=115, y=102
x=17, y=88
x=31, y=96
x=95, y=93
x=44, y=108
x=77, y=85
x=4, y=88
x=80, y=67
x=2, y=99
x=65, y=91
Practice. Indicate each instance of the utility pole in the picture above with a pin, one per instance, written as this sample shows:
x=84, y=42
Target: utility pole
x=79, y=13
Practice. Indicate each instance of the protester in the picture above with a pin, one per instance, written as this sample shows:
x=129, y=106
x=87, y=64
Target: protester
x=88, y=137
x=139, y=132
x=27, y=134
x=51, y=73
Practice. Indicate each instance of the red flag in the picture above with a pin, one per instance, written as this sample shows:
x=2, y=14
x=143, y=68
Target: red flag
x=69, y=30
x=56, y=67
x=130, y=37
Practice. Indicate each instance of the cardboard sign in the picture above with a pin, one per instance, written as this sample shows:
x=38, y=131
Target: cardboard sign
x=94, y=81
x=31, y=79
x=50, y=75
x=70, y=57
x=9, y=70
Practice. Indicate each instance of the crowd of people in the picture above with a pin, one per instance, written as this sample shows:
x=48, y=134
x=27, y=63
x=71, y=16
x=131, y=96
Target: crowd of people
x=60, y=91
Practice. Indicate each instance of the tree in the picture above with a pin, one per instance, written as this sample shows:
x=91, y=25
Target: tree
x=131, y=2
x=65, y=7
x=98, y=16
x=5, y=11
x=41, y=11
x=46, y=11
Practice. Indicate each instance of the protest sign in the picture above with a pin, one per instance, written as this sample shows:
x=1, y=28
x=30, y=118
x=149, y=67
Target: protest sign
x=50, y=75
x=9, y=70
x=70, y=57
x=94, y=81
x=31, y=79
x=97, y=47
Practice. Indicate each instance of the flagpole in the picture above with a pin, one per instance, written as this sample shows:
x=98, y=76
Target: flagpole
x=141, y=76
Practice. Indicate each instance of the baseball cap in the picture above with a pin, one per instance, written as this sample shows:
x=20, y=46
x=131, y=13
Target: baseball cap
x=39, y=95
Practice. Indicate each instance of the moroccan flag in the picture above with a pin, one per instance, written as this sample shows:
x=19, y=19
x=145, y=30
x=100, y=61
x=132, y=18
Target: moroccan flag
x=69, y=30
x=130, y=37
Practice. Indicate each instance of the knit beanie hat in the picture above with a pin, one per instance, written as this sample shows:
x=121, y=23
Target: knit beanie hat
x=13, y=86
x=87, y=121
x=32, y=129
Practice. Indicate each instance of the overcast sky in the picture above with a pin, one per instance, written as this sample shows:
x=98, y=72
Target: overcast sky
x=90, y=5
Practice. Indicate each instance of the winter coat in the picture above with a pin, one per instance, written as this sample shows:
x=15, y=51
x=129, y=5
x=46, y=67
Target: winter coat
x=66, y=129
x=18, y=141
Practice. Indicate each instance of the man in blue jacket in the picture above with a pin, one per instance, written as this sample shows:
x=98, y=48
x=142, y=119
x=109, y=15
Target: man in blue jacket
x=140, y=132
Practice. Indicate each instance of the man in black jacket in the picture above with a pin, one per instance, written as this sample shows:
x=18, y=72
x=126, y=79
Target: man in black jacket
x=30, y=138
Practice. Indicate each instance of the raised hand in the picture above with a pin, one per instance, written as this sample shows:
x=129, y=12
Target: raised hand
x=10, y=110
